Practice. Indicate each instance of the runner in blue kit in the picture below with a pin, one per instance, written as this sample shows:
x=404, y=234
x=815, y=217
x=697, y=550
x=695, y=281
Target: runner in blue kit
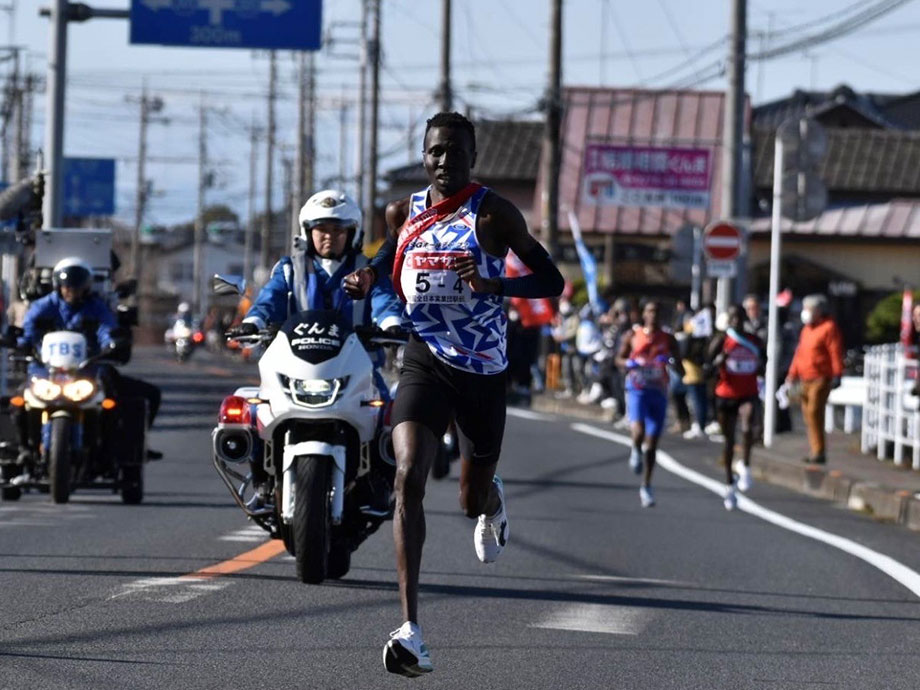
x=645, y=355
x=446, y=249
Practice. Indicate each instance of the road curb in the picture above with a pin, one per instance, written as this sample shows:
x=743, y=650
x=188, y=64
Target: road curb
x=881, y=502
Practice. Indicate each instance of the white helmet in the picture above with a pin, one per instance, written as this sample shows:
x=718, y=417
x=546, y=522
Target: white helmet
x=184, y=306
x=72, y=272
x=331, y=206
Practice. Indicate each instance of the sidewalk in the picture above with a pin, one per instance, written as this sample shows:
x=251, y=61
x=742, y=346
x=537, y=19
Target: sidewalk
x=860, y=482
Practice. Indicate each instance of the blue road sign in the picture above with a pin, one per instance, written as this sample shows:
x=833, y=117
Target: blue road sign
x=271, y=24
x=89, y=186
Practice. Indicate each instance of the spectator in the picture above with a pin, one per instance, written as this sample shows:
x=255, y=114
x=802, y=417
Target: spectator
x=700, y=329
x=756, y=323
x=818, y=364
x=565, y=328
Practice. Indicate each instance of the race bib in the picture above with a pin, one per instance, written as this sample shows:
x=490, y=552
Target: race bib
x=428, y=278
x=741, y=365
x=648, y=377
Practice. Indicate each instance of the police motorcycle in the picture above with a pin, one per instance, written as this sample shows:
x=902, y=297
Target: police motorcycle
x=314, y=430
x=72, y=434
x=184, y=335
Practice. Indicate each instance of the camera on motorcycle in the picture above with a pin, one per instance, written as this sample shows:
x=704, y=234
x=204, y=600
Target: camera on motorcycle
x=228, y=285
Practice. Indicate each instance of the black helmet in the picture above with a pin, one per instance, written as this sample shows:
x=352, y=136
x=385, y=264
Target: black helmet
x=73, y=273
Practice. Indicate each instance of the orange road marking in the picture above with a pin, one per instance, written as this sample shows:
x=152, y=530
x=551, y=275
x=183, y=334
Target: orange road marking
x=244, y=561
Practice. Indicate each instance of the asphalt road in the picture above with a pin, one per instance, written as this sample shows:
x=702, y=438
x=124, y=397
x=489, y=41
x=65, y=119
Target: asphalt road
x=592, y=591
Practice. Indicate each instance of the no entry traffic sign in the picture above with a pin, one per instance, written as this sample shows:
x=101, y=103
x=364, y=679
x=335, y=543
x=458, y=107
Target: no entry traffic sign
x=722, y=242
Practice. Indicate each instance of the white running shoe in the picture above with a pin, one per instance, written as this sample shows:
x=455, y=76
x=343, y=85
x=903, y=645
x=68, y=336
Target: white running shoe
x=646, y=496
x=491, y=533
x=406, y=653
x=693, y=432
x=713, y=428
x=635, y=460
x=744, y=477
x=731, y=499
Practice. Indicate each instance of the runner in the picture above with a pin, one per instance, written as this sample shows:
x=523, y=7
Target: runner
x=446, y=247
x=646, y=355
x=739, y=358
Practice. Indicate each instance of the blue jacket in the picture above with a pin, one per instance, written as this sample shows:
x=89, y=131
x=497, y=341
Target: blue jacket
x=92, y=317
x=276, y=300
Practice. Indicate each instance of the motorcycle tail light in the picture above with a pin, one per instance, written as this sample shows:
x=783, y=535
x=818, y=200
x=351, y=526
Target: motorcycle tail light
x=198, y=337
x=234, y=410
x=17, y=401
x=108, y=404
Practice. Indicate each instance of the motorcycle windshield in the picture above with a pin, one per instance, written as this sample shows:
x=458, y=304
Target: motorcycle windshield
x=316, y=335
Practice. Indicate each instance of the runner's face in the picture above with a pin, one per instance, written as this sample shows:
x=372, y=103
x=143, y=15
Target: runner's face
x=329, y=240
x=650, y=315
x=734, y=318
x=448, y=158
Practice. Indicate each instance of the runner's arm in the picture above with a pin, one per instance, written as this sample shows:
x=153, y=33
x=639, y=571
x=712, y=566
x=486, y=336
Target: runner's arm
x=622, y=358
x=358, y=284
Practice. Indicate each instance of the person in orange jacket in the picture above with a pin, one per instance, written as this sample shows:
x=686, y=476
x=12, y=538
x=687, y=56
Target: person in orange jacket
x=818, y=364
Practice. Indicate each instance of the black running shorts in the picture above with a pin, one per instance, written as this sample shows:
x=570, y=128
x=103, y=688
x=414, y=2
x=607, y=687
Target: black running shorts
x=432, y=393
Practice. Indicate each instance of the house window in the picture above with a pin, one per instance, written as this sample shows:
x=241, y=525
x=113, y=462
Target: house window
x=235, y=269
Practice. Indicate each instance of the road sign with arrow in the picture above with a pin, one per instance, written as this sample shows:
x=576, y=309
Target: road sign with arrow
x=269, y=24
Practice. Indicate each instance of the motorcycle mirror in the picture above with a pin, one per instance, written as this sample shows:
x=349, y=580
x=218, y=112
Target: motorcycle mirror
x=228, y=285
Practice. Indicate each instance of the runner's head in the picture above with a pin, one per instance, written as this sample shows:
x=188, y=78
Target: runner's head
x=449, y=152
x=650, y=314
x=330, y=222
x=736, y=316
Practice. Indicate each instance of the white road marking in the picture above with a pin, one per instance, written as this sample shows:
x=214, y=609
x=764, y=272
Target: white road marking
x=527, y=414
x=633, y=580
x=251, y=533
x=596, y=618
x=170, y=590
x=894, y=569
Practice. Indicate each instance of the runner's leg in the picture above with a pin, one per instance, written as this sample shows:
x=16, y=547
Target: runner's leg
x=415, y=446
x=747, y=412
x=728, y=420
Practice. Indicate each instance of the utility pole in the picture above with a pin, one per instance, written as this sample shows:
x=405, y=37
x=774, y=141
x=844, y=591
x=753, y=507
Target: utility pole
x=54, y=115
x=264, y=259
x=733, y=139
x=343, y=140
x=360, y=155
x=309, y=174
x=253, y=162
x=369, y=209
x=445, y=95
x=551, y=154
x=12, y=144
x=148, y=106
x=199, y=220
x=296, y=191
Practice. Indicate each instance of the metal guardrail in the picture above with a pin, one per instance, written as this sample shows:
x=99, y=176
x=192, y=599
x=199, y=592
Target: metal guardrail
x=891, y=414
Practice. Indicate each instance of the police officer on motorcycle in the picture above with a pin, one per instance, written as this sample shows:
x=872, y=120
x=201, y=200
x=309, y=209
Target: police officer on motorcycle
x=73, y=306
x=327, y=248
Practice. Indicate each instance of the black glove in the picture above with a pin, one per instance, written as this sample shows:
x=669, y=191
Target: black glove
x=835, y=382
x=242, y=330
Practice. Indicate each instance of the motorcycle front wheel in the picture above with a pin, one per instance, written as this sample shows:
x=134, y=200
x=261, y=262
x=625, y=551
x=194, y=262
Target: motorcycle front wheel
x=311, y=517
x=59, y=459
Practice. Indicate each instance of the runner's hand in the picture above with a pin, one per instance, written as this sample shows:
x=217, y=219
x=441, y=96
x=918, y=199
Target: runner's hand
x=465, y=266
x=359, y=283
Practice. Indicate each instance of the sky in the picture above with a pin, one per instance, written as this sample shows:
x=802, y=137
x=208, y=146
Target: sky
x=499, y=55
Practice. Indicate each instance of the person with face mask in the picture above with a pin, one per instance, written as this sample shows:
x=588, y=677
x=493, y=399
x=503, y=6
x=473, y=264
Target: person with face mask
x=818, y=364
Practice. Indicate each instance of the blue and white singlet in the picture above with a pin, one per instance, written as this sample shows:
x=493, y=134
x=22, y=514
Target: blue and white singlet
x=463, y=329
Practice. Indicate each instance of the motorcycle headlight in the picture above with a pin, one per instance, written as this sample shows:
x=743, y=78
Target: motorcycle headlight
x=314, y=392
x=45, y=389
x=79, y=390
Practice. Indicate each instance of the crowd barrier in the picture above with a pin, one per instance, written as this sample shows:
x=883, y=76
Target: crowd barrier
x=891, y=414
